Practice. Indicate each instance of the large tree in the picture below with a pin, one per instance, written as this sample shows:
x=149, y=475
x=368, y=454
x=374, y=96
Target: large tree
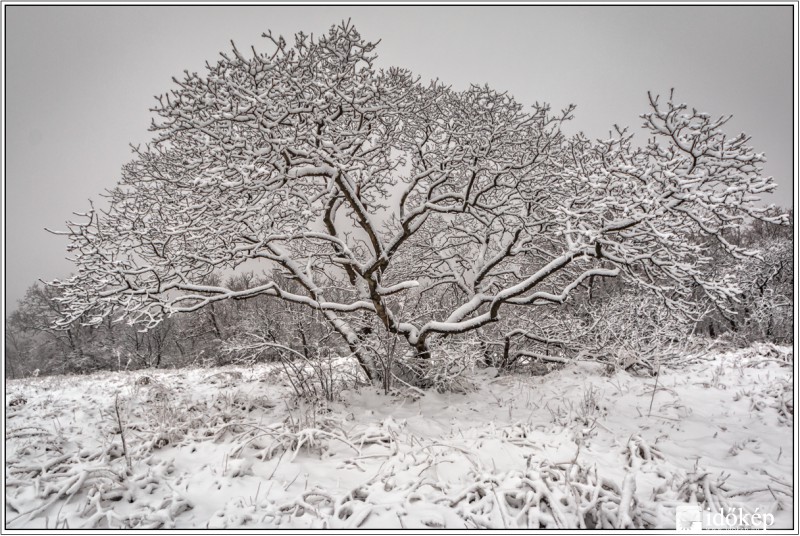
x=431, y=210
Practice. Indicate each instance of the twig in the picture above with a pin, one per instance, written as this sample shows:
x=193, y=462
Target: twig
x=655, y=387
x=292, y=482
x=276, y=465
x=122, y=431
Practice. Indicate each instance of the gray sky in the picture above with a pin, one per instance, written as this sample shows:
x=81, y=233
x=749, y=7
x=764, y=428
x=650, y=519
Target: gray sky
x=80, y=80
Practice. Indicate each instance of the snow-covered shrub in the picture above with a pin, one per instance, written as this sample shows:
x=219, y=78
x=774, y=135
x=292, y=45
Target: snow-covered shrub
x=299, y=343
x=631, y=330
x=448, y=369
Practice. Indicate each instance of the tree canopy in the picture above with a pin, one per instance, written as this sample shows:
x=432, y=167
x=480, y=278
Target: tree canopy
x=429, y=210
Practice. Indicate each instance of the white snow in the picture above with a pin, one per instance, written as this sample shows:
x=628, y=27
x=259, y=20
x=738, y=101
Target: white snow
x=229, y=448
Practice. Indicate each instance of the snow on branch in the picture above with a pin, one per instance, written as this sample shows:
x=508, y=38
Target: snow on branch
x=368, y=188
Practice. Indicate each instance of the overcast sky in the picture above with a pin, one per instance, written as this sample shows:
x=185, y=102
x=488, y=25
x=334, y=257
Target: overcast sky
x=80, y=80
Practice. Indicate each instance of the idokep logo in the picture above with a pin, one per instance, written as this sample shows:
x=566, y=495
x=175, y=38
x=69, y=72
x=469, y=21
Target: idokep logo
x=691, y=517
x=738, y=519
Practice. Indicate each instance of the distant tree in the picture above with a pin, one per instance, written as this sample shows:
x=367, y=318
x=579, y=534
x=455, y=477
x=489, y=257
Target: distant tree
x=34, y=341
x=17, y=350
x=765, y=310
x=391, y=204
x=37, y=343
x=762, y=309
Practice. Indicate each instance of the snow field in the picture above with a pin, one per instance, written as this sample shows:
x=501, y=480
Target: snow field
x=232, y=448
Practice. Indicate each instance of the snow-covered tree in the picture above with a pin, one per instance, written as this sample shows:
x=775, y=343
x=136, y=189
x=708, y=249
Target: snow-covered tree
x=762, y=311
x=424, y=210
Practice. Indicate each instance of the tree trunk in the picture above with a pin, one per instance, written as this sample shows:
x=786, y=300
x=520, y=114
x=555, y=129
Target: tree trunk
x=506, y=349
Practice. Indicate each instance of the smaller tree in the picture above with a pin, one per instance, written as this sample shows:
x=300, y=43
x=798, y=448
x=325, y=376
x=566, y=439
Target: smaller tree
x=761, y=310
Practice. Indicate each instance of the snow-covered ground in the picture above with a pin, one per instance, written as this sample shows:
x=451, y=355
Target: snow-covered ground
x=231, y=448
